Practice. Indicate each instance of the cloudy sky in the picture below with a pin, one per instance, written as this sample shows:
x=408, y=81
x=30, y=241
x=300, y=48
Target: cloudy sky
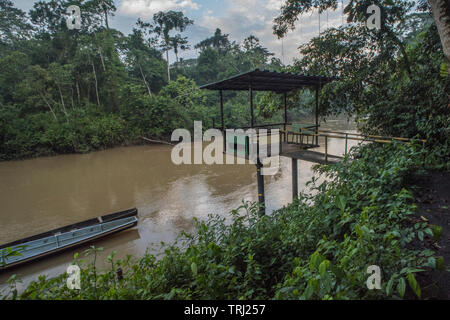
x=239, y=18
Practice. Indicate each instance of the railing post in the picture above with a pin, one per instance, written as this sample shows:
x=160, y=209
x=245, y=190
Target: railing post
x=281, y=142
x=326, y=149
x=294, y=179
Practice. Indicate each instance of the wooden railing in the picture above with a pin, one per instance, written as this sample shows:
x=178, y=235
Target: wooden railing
x=344, y=135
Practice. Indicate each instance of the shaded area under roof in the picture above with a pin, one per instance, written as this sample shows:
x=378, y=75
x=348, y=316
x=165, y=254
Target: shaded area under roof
x=263, y=80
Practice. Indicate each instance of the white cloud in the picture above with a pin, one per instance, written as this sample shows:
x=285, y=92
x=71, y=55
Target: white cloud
x=147, y=8
x=241, y=18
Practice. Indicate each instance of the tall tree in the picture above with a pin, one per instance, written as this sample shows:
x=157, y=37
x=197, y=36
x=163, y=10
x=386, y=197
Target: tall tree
x=441, y=14
x=144, y=61
x=103, y=8
x=179, y=43
x=393, y=11
x=218, y=41
x=13, y=22
x=166, y=22
x=255, y=53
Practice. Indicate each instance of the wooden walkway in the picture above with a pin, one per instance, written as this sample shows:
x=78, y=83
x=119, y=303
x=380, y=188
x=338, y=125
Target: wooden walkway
x=312, y=156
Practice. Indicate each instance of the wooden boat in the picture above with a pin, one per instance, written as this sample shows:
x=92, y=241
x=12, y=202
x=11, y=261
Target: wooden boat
x=50, y=242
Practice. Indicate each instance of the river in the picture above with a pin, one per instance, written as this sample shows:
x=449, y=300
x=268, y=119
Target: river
x=41, y=194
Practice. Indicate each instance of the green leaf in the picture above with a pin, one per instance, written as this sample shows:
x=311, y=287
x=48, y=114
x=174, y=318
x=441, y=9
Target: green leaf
x=314, y=260
x=440, y=265
x=194, y=268
x=389, y=286
x=414, y=285
x=444, y=71
x=323, y=267
x=420, y=235
x=401, y=287
x=308, y=291
x=341, y=202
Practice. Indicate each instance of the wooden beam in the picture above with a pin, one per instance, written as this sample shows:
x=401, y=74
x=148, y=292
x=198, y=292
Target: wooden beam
x=222, y=122
x=221, y=111
x=285, y=110
x=317, y=114
x=294, y=179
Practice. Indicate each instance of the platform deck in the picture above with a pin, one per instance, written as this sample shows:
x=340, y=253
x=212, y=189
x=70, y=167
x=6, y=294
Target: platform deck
x=311, y=156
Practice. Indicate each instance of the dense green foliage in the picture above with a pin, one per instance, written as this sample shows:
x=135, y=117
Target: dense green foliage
x=64, y=91
x=316, y=248
x=57, y=85
x=389, y=78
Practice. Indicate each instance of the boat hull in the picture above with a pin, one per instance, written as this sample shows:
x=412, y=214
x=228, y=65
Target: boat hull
x=61, y=239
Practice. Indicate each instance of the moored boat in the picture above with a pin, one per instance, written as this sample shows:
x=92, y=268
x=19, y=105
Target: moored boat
x=60, y=239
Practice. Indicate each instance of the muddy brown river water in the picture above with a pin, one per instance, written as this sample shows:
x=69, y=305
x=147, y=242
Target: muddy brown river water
x=41, y=194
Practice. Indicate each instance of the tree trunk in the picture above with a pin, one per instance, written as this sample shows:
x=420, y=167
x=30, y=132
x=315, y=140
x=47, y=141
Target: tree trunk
x=96, y=83
x=71, y=98
x=62, y=100
x=106, y=18
x=101, y=58
x=145, y=81
x=78, y=92
x=440, y=9
x=168, y=65
x=48, y=105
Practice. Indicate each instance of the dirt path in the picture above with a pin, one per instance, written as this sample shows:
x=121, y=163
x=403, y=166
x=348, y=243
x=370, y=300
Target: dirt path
x=432, y=194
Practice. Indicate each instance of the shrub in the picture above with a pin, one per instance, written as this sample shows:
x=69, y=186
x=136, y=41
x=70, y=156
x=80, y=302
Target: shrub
x=319, y=247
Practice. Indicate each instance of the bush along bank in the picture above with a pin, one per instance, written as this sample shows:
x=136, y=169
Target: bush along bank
x=318, y=247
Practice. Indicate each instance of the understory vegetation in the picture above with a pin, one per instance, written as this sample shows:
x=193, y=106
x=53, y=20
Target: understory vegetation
x=64, y=91
x=319, y=247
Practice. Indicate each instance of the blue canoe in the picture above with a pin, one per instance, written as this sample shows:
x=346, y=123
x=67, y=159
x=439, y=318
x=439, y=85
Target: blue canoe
x=57, y=240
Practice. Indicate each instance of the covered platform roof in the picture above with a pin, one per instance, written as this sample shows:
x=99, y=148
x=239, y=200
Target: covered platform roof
x=264, y=80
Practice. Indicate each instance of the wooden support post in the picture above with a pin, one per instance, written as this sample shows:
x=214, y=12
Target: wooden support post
x=252, y=121
x=285, y=111
x=346, y=141
x=294, y=179
x=326, y=149
x=281, y=142
x=222, y=121
x=317, y=115
x=260, y=179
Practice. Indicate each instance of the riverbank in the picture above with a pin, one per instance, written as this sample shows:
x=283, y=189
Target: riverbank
x=360, y=217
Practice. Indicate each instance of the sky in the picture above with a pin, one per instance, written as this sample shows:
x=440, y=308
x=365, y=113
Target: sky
x=238, y=18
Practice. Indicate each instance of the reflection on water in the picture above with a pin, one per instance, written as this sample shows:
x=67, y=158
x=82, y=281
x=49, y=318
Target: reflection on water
x=42, y=194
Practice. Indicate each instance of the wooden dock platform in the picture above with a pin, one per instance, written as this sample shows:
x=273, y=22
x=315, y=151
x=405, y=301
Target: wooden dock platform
x=301, y=152
x=312, y=156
